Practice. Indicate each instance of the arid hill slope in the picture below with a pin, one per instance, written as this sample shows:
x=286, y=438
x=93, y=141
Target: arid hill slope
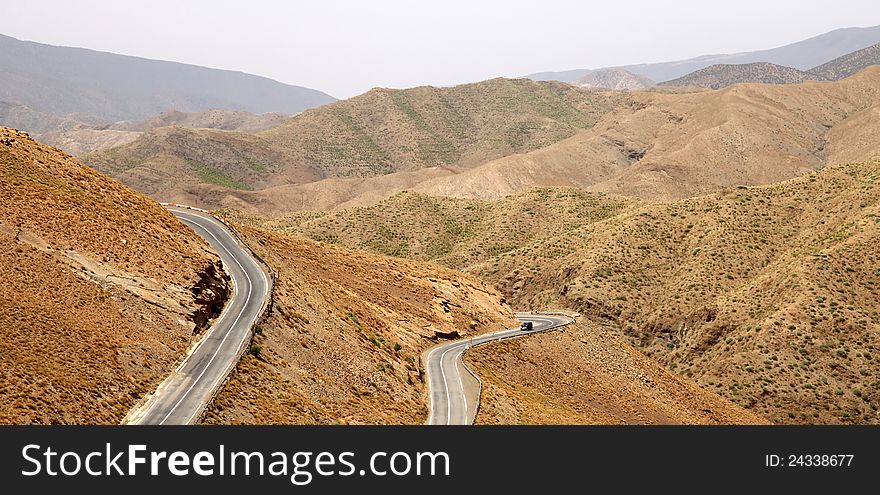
x=767, y=295
x=343, y=341
x=170, y=159
x=584, y=374
x=387, y=130
x=374, y=134
x=81, y=138
x=456, y=233
x=848, y=64
x=669, y=146
x=722, y=75
x=99, y=289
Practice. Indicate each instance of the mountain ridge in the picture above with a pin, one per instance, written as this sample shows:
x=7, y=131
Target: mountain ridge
x=802, y=55
x=113, y=87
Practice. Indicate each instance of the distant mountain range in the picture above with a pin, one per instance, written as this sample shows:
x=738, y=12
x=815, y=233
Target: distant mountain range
x=722, y=75
x=613, y=79
x=88, y=85
x=848, y=64
x=802, y=55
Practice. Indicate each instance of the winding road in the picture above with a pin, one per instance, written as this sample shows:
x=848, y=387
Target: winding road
x=454, y=392
x=183, y=396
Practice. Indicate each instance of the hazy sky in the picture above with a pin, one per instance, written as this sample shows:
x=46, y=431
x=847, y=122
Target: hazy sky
x=348, y=47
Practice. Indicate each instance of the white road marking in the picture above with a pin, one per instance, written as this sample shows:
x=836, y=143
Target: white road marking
x=238, y=317
x=250, y=283
x=461, y=383
x=547, y=323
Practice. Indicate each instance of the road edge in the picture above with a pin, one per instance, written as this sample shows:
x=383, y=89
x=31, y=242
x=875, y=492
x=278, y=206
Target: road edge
x=137, y=411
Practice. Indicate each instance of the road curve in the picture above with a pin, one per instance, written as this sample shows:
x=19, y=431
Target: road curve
x=183, y=396
x=454, y=393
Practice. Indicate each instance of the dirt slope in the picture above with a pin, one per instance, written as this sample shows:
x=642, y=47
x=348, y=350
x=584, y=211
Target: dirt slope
x=99, y=288
x=585, y=374
x=342, y=344
x=767, y=295
x=386, y=130
x=670, y=146
x=374, y=134
x=456, y=233
x=163, y=161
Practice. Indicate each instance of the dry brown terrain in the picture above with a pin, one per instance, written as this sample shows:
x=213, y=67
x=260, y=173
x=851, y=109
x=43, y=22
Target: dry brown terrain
x=348, y=143
x=616, y=79
x=97, y=288
x=225, y=120
x=585, y=374
x=80, y=138
x=386, y=130
x=342, y=344
x=169, y=159
x=671, y=146
x=456, y=233
x=500, y=137
x=767, y=295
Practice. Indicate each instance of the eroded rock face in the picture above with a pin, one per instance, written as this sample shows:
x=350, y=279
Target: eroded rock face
x=96, y=289
x=211, y=292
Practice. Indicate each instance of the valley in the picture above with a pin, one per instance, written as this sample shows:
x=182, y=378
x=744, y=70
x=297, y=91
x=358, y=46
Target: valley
x=714, y=222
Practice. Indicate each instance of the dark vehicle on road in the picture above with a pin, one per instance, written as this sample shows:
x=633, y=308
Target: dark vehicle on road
x=526, y=326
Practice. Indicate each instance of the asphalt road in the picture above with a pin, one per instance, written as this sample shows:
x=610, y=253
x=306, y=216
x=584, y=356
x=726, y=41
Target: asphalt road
x=454, y=392
x=182, y=397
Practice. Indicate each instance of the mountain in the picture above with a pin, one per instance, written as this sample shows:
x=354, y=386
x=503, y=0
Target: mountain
x=653, y=145
x=169, y=158
x=374, y=134
x=227, y=120
x=62, y=81
x=455, y=232
x=722, y=75
x=766, y=295
x=100, y=289
x=670, y=146
x=387, y=130
x=79, y=138
x=617, y=79
x=344, y=339
x=802, y=55
x=587, y=375
x=22, y=117
x=848, y=64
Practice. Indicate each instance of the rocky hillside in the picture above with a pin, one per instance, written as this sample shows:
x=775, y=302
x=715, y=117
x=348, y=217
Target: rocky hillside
x=849, y=64
x=617, y=79
x=177, y=158
x=385, y=130
x=766, y=295
x=380, y=132
x=667, y=146
x=98, y=289
x=584, y=374
x=343, y=341
x=456, y=233
x=722, y=75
